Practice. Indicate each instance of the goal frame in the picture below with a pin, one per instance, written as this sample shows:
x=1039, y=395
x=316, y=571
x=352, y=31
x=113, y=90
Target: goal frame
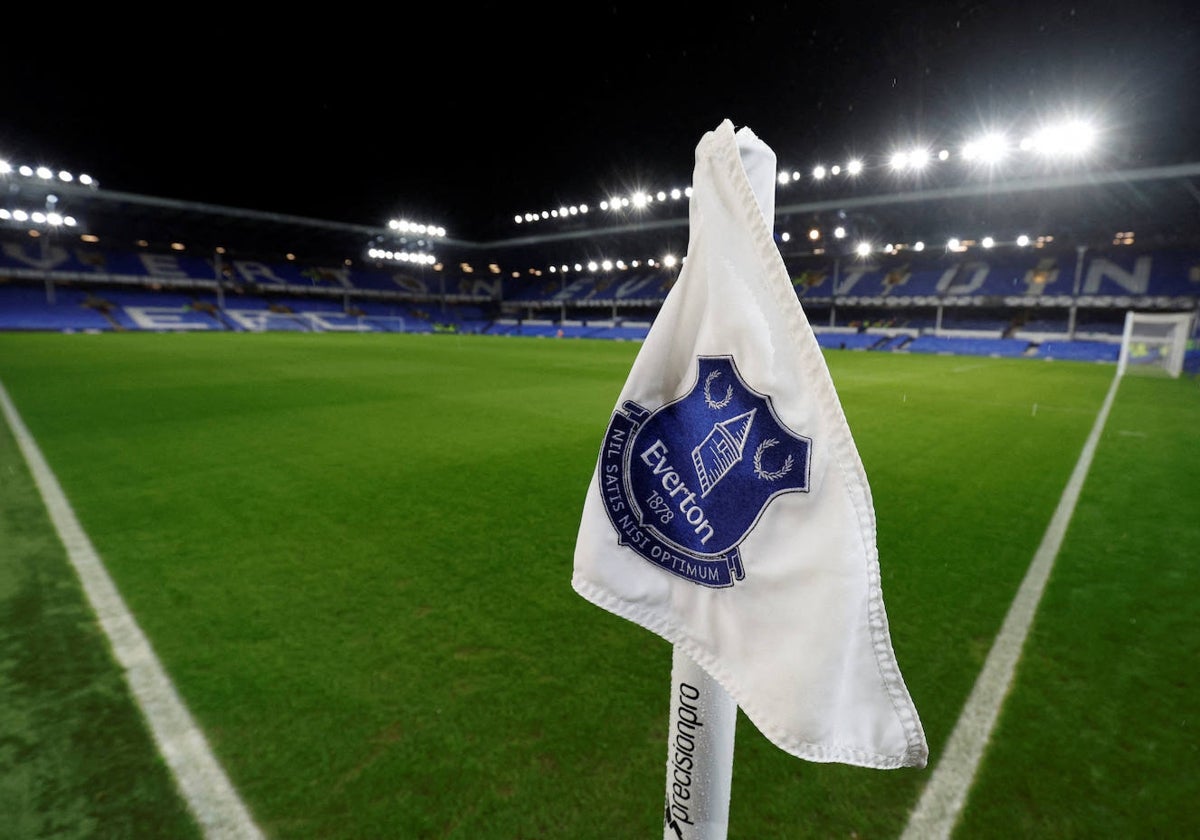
x=1173, y=343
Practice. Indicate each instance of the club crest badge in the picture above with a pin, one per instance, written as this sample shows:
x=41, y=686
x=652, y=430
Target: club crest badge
x=685, y=484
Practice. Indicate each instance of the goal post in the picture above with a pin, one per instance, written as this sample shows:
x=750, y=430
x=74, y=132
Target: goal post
x=1154, y=343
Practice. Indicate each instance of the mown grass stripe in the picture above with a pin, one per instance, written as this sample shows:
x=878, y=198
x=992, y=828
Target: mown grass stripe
x=946, y=792
x=209, y=794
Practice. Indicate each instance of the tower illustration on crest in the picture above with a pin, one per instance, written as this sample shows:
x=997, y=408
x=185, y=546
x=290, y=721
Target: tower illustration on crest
x=721, y=450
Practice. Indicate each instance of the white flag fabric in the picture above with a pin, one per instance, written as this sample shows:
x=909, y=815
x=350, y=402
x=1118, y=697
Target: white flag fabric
x=729, y=511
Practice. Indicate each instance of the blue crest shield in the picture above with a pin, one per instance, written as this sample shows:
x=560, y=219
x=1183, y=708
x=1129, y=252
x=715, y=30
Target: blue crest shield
x=685, y=484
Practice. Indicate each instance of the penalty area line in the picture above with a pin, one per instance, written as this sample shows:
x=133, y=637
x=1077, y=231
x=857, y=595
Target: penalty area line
x=209, y=795
x=946, y=791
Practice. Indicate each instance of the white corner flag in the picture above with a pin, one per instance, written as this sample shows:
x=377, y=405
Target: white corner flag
x=729, y=511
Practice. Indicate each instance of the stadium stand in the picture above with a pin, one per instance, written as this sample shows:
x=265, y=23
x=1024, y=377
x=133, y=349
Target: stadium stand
x=948, y=304
x=1079, y=351
x=1059, y=297
x=960, y=346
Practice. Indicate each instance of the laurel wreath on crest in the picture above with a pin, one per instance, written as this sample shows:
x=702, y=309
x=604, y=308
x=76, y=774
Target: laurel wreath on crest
x=777, y=474
x=716, y=374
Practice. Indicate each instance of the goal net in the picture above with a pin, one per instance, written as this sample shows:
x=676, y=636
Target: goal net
x=1155, y=343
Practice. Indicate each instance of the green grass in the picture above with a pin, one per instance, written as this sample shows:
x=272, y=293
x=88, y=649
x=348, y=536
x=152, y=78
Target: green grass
x=353, y=555
x=76, y=760
x=1105, y=718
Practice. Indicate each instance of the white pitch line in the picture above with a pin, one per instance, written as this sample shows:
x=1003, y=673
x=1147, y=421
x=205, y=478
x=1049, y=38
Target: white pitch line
x=210, y=796
x=946, y=792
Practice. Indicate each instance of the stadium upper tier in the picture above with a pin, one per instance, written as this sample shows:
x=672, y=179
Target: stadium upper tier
x=1120, y=278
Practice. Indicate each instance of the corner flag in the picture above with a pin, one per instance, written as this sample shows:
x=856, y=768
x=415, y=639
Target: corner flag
x=729, y=511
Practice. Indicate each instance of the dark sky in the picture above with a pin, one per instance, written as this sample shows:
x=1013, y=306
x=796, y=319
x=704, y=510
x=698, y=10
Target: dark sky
x=468, y=117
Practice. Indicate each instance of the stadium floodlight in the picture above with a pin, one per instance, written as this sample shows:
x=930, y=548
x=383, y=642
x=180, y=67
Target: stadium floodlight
x=839, y=232
x=5, y=167
x=406, y=226
x=401, y=256
x=784, y=178
x=987, y=242
x=944, y=155
x=44, y=173
x=1068, y=138
x=854, y=167
x=1022, y=240
x=989, y=149
x=863, y=249
x=814, y=234
x=954, y=244
x=818, y=172
x=915, y=159
x=918, y=245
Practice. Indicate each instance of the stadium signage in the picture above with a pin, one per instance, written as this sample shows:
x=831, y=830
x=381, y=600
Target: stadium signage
x=683, y=485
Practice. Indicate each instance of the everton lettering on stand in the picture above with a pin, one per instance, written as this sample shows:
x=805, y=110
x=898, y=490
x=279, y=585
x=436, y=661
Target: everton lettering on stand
x=684, y=484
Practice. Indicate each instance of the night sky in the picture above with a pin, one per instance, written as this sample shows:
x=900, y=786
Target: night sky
x=467, y=119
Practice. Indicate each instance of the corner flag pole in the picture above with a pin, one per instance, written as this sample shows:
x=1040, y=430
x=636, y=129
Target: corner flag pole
x=703, y=715
x=699, y=754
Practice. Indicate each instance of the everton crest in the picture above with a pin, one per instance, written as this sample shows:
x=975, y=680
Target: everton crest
x=684, y=484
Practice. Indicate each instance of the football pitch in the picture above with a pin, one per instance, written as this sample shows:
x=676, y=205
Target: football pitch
x=352, y=555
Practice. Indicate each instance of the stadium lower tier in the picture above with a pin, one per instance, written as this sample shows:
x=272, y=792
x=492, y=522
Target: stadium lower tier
x=1094, y=336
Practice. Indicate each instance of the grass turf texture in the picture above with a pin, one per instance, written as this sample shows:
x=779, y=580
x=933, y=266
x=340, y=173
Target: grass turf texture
x=76, y=760
x=1105, y=714
x=353, y=555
